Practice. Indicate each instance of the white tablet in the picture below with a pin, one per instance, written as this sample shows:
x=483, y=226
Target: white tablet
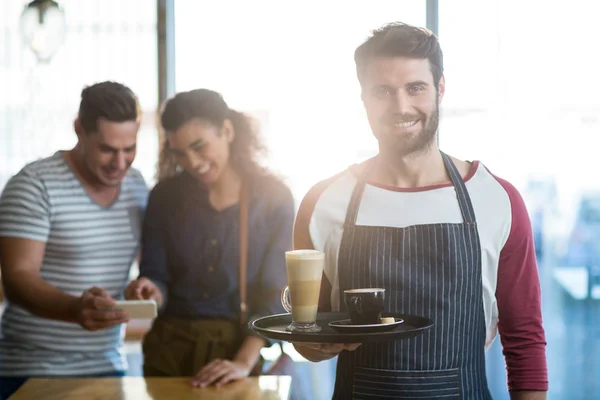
x=138, y=309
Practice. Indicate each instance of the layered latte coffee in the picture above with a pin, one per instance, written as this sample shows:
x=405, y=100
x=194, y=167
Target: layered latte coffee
x=304, y=272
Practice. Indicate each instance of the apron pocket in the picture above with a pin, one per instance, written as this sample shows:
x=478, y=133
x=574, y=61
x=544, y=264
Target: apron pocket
x=372, y=383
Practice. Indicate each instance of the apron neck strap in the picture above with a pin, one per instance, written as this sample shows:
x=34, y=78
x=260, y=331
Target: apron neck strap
x=464, y=201
x=357, y=193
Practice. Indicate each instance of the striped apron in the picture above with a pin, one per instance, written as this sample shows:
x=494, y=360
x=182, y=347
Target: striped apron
x=432, y=271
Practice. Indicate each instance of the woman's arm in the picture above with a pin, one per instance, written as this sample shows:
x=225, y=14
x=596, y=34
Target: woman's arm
x=272, y=277
x=153, y=263
x=272, y=274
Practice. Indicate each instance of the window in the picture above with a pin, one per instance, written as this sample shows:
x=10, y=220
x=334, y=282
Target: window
x=521, y=97
x=105, y=40
x=292, y=66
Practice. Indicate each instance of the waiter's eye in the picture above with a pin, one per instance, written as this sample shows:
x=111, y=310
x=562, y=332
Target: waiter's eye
x=415, y=89
x=382, y=92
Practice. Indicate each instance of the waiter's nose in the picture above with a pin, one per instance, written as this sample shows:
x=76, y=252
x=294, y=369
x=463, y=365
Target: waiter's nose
x=401, y=102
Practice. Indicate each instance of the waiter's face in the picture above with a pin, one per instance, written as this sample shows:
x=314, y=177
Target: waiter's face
x=401, y=101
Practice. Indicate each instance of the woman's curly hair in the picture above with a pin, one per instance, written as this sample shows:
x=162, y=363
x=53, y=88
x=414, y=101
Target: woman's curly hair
x=245, y=149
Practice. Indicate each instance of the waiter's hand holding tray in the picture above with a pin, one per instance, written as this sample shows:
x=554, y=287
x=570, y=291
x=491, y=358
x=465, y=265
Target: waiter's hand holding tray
x=365, y=321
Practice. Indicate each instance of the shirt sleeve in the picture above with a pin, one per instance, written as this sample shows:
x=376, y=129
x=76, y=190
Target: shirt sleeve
x=518, y=296
x=25, y=208
x=153, y=262
x=273, y=275
x=141, y=191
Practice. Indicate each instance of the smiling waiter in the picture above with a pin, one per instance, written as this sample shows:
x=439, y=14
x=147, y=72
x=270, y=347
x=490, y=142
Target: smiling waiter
x=446, y=239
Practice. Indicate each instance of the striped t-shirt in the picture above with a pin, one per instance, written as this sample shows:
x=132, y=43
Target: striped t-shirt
x=86, y=245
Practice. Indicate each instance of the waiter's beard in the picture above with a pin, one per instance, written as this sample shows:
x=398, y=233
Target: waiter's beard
x=420, y=143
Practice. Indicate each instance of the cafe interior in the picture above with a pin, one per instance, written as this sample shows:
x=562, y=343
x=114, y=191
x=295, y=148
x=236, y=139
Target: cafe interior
x=521, y=96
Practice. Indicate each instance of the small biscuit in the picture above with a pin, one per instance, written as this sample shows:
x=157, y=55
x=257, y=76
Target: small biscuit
x=388, y=320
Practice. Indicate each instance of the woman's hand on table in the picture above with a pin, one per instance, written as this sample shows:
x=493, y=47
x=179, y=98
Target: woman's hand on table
x=219, y=372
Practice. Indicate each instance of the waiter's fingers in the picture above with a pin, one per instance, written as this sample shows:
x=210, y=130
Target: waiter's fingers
x=333, y=348
x=330, y=348
x=325, y=348
x=313, y=346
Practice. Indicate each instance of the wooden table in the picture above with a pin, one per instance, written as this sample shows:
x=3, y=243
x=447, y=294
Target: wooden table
x=138, y=388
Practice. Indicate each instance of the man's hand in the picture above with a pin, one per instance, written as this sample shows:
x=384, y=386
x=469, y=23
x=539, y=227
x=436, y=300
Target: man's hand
x=316, y=352
x=144, y=289
x=527, y=395
x=95, y=310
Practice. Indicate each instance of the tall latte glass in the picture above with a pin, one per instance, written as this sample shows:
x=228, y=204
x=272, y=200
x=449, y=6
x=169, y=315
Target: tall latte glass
x=301, y=295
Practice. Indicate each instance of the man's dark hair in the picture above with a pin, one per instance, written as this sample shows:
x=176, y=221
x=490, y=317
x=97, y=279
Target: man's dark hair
x=401, y=40
x=109, y=100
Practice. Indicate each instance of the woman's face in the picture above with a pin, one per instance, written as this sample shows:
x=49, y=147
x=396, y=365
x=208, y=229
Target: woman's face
x=202, y=149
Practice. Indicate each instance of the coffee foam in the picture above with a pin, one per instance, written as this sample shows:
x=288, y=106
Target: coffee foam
x=304, y=254
x=301, y=270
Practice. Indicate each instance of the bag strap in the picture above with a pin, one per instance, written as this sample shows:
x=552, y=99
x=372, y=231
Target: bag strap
x=243, y=252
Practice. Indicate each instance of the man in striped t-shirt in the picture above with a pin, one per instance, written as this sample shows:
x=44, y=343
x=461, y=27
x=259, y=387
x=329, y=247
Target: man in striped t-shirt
x=69, y=232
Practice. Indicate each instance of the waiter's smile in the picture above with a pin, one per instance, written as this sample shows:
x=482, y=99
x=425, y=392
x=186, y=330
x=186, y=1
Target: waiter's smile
x=405, y=124
x=405, y=127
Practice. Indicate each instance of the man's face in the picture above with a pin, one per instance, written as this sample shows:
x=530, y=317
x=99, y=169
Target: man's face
x=402, y=103
x=109, y=152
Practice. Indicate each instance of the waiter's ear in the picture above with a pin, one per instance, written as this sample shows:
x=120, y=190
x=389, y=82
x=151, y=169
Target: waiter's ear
x=441, y=89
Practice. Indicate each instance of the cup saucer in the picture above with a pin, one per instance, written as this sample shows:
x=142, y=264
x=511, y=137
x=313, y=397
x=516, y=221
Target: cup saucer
x=346, y=326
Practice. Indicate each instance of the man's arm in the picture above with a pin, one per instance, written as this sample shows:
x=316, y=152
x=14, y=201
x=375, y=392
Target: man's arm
x=518, y=296
x=527, y=395
x=21, y=260
x=24, y=229
x=302, y=240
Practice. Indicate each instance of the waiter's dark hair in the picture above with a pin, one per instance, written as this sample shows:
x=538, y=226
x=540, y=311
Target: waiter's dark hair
x=107, y=100
x=209, y=106
x=398, y=39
